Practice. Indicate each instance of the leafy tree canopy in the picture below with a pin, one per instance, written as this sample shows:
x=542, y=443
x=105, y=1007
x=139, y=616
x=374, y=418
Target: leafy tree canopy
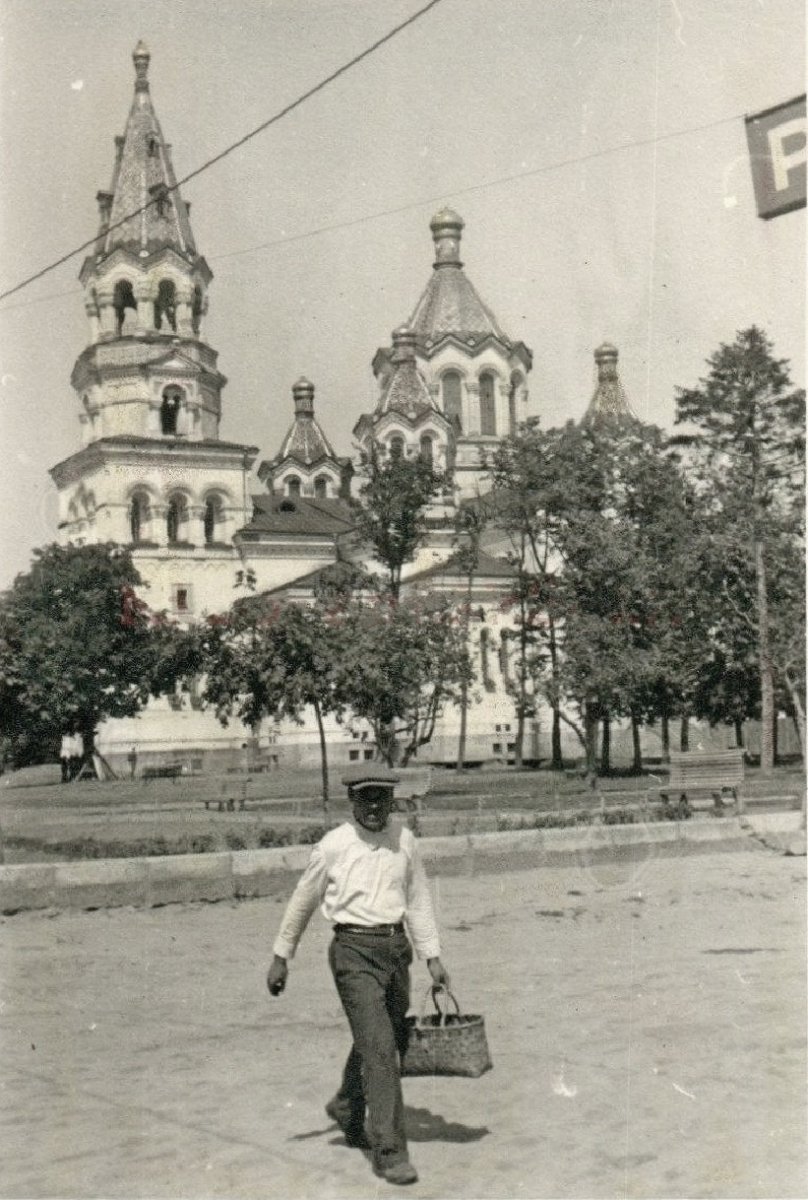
x=391, y=508
x=76, y=646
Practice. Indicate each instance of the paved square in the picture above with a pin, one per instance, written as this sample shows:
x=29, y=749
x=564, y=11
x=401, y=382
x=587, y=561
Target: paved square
x=647, y=1021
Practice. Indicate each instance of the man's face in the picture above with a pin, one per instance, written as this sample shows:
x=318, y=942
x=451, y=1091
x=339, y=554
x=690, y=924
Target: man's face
x=372, y=807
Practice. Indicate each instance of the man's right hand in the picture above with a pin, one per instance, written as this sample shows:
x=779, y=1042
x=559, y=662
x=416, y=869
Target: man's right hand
x=276, y=976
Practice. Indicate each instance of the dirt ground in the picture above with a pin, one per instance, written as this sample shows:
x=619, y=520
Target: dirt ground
x=646, y=1018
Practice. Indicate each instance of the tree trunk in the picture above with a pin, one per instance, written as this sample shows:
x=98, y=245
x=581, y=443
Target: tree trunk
x=323, y=754
x=590, y=739
x=684, y=736
x=88, y=755
x=666, y=738
x=739, y=733
x=464, y=687
x=606, y=745
x=799, y=711
x=461, y=740
x=520, y=736
x=636, y=764
x=764, y=659
x=799, y=721
x=556, y=757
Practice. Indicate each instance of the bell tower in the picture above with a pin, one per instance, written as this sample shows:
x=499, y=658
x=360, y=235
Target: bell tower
x=145, y=295
x=152, y=472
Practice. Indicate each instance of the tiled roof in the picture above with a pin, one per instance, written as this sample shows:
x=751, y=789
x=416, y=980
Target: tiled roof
x=306, y=442
x=143, y=171
x=450, y=305
x=488, y=567
x=406, y=391
x=332, y=572
x=298, y=515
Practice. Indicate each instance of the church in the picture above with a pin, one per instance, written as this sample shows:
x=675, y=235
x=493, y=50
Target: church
x=202, y=516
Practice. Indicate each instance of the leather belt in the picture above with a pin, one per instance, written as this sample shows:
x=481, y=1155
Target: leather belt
x=378, y=930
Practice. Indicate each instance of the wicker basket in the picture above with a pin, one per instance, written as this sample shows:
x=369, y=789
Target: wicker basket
x=445, y=1043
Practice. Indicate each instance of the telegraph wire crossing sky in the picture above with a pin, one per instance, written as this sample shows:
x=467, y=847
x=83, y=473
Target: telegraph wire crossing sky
x=318, y=87
x=299, y=237
x=596, y=153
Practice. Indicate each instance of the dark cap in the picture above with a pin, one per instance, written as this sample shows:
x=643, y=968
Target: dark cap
x=369, y=775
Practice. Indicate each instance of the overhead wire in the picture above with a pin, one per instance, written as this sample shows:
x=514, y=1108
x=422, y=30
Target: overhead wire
x=205, y=166
x=335, y=226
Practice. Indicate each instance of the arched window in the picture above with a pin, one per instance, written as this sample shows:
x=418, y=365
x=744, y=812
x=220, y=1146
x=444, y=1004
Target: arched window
x=212, y=518
x=452, y=387
x=196, y=310
x=321, y=487
x=488, y=409
x=123, y=299
x=138, y=517
x=152, y=145
x=169, y=410
x=397, y=446
x=165, y=306
x=426, y=448
x=293, y=486
x=175, y=518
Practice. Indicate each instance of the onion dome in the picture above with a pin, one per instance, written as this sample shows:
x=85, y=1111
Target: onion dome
x=450, y=305
x=406, y=391
x=305, y=440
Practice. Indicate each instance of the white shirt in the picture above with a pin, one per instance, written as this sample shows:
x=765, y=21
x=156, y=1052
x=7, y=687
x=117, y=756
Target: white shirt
x=358, y=877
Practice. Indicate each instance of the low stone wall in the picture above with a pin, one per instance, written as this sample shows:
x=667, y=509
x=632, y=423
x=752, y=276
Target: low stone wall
x=177, y=879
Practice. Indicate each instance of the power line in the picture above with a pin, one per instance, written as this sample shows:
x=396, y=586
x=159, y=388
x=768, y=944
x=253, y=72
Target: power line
x=413, y=204
x=312, y=91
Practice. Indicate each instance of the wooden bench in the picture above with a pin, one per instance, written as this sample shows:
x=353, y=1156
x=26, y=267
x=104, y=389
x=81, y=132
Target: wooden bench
x=704, y=779
x=227, y=803
x=415, y=783
x=168, y=771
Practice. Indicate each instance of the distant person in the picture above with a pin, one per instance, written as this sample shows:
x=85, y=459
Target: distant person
x=65, y=755
x=131, y=758
x=367, y=877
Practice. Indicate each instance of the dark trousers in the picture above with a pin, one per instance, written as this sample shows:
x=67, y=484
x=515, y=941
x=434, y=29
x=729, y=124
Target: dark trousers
x=372, y=974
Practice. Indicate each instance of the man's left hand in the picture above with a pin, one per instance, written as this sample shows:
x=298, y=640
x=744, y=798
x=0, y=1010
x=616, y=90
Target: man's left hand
x=440, y=976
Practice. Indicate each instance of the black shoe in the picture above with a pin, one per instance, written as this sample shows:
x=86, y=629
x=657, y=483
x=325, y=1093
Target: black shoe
x=355, y=1135
x=401, y=1172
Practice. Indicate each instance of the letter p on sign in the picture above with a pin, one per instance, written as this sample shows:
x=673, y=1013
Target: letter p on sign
x=777, y=152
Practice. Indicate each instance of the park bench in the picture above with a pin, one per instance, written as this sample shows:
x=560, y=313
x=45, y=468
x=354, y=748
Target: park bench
x=167, y=771
x=704, y=779
x=228, y=801
x=414, y=784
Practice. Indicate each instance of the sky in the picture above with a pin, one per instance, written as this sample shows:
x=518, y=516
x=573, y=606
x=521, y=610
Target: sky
x=596, y=150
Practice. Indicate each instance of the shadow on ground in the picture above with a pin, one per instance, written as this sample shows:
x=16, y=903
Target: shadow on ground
x=422, y=1126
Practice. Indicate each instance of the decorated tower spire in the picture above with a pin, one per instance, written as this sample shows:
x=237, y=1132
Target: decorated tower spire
x=609, y=399
x=143, y=210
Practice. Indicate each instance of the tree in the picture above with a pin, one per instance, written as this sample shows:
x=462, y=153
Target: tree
x=77, y=645
x=751, y=443
x=469, y=527
x=268, y=659
x=390, y=510
x=399, y=665
x=598, y=521
x=528, y=497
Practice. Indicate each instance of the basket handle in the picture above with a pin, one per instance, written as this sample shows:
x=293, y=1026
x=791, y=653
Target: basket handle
x=433, y=989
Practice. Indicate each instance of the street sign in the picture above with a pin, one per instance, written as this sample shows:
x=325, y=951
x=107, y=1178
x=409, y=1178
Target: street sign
x=777, y=152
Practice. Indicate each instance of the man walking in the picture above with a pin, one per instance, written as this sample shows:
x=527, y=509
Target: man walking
x=368, y=879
